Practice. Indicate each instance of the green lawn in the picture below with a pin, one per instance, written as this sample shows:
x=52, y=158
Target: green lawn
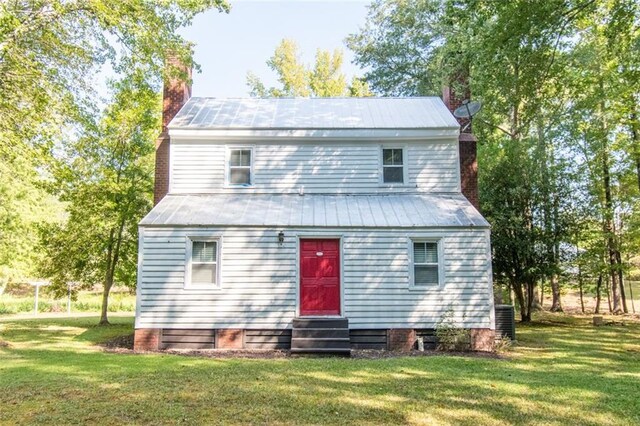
x=563, y=371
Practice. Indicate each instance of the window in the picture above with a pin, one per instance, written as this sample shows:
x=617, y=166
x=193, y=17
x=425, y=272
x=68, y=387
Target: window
x=392, y=165
x=425, y=263
x=202, y=263
x=240, y=166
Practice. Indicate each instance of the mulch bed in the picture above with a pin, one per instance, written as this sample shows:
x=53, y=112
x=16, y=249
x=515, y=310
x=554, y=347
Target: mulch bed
x=124, y=344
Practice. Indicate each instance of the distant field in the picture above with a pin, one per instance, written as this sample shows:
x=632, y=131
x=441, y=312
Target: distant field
x=21, y=301
x=571, y=299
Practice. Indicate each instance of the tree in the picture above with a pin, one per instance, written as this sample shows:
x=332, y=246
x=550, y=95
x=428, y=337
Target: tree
x=512, y=53
x=50, y=51
x=603, y=103
x=106, y=180
x=24, y=204
x=325, y=79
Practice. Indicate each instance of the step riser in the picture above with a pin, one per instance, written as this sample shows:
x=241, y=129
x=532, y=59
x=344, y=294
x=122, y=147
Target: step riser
x=299, y=323
x=318, y=352
x=319, y=333
x=320, y=344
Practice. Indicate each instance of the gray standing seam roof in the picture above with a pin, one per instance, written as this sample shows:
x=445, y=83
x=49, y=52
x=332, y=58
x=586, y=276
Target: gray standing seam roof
x=314, y=113
x=315, y=210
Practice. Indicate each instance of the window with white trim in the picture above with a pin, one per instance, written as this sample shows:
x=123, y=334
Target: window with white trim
x=393, y=163
x=203, y=262
x=240, y=166
x=426, y=265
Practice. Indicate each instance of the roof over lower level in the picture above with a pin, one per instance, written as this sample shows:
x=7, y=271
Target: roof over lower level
x=315, y=113
x=292, y=210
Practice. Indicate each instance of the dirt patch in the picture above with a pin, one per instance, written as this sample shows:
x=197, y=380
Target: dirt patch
x=378, y=354
x=120, y=343
x=232, y=353
x=124, y=344
x=4, y=344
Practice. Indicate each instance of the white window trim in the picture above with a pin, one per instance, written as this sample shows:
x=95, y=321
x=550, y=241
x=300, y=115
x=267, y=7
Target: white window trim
x=227, y=166
x=405, y=166
x=412, y=282
x=188, y=285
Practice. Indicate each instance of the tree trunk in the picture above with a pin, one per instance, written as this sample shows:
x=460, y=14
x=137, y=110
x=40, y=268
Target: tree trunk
x=608, y=214
x=580, y=288
x=517, y=290
x=598, y=293
x=113, y=254
x=108, y=283
x=635, y=137
x=542, y=295
x=609, y=234
x=633, y=306
x=536, y=305
x=608, y=288
x=556, y=306
x=530, y=287
x=623, y=296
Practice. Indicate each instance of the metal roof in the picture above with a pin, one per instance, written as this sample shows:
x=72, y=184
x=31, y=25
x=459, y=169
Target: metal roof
x=315, y=113
x=292, y=210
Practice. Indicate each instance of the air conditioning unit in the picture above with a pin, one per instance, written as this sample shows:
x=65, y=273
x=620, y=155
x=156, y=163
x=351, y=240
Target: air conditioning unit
x=505, y=322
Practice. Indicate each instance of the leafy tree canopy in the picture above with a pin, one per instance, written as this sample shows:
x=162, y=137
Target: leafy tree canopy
x=50, y=52
x=105, y=178
x=324, y=79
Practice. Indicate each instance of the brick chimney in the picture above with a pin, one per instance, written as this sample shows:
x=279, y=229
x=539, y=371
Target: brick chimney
x=175, y=94
x=453, y=96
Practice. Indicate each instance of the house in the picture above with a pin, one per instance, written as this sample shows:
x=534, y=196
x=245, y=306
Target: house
x=318, y=224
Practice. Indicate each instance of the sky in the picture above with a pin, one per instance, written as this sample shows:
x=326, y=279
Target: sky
x=227, y=46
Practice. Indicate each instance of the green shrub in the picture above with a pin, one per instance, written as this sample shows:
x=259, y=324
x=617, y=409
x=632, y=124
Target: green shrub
x=503, y=344
x=6, y=309
x=25, y=306
x=449, y=336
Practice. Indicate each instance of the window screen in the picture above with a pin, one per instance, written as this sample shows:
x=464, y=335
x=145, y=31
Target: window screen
x=204, y=262
x=392, y=165
x=425, y=263
x=240, y=167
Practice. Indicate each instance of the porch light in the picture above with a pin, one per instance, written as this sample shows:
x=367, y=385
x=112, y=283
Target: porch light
x=280, y=238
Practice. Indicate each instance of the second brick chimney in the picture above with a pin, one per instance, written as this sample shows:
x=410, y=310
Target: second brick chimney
x=453, y=96
x=175, y=94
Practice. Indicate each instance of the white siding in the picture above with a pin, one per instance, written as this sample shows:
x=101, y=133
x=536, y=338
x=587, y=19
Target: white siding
x=199, y=167
x=259, y=279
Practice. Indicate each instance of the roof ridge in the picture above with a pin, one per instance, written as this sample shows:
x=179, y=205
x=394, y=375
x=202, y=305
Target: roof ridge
x=315, y=98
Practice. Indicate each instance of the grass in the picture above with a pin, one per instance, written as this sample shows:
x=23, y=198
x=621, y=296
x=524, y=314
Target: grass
x=88, y=301
x=563, y=371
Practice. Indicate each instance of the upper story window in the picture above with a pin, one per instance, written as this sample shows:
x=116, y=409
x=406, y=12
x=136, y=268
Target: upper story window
x=393, y=165
x=426, y=263
x=240, y=166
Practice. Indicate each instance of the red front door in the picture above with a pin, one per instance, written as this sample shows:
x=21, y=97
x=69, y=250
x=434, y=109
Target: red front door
x=319, y=277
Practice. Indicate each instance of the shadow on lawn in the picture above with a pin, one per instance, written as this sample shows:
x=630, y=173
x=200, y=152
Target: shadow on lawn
x=556, y=375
